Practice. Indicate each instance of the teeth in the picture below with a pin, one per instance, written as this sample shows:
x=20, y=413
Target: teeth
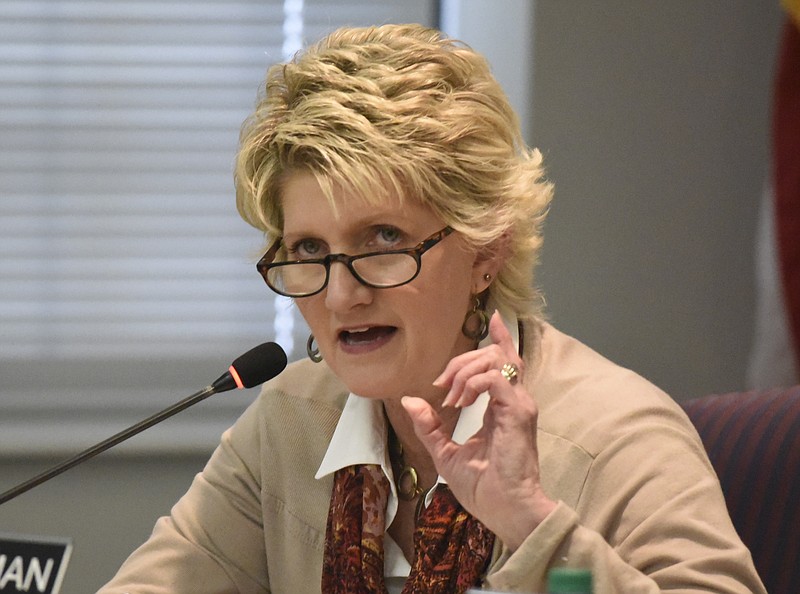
x=358, y=330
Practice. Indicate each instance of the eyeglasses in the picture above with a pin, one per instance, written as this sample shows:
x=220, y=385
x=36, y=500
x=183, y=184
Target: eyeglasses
x=379, y=270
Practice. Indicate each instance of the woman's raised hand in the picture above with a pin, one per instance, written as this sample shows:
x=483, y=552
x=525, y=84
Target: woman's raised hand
x=495, y=473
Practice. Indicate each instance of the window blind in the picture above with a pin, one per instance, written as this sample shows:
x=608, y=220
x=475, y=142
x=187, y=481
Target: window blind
x=128, y=279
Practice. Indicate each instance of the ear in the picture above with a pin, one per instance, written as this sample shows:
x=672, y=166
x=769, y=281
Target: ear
x=488, y=263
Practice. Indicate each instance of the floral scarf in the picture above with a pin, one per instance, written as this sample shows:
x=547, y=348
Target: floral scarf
x=452, y=549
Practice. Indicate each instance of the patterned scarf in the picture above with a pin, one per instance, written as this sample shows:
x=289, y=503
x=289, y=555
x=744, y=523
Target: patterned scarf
x=452, y=549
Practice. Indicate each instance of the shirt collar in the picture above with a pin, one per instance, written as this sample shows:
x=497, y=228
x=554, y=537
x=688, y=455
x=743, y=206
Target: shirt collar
x=359, y=437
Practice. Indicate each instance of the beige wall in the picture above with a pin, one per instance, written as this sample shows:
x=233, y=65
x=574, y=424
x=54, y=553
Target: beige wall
x=653, y=118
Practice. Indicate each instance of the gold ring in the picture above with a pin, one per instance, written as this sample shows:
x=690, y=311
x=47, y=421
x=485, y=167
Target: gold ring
x=510, y=372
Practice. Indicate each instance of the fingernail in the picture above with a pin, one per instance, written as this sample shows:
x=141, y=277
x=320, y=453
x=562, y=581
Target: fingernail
x=447, y=400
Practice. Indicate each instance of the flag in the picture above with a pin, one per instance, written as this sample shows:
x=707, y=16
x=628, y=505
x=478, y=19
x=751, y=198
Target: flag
x=775, y=358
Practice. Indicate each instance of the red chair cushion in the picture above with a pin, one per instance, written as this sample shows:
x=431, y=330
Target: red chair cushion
x=753, y=441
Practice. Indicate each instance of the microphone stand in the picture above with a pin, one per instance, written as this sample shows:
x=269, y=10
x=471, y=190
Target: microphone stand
x=111, y=442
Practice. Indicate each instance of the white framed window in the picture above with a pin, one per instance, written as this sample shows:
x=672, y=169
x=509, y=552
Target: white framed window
x=127, y=279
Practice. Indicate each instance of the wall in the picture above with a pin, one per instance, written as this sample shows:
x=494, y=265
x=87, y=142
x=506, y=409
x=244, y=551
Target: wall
x=107, y=506
x=653, y=120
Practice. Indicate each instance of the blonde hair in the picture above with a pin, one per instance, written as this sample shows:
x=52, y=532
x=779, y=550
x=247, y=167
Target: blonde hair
x=401, y=110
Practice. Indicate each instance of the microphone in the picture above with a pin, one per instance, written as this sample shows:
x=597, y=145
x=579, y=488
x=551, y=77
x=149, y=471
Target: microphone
x=254, y=367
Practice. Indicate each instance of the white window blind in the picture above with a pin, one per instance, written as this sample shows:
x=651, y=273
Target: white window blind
x=127, y=279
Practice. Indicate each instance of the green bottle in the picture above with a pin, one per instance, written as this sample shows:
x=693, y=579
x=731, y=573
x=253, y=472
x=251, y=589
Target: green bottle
x=567, y=580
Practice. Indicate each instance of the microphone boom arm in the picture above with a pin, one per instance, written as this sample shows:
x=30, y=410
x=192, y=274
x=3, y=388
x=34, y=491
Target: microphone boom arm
x=108, y=443
x=250, y=369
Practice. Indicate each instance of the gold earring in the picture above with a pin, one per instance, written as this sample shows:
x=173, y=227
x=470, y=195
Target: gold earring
x=476, y=322
x=312, y=350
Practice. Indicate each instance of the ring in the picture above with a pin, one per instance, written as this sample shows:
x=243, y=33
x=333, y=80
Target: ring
x=510, y=372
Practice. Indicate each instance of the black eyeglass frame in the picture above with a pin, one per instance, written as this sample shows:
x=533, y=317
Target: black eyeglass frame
x=265, y=264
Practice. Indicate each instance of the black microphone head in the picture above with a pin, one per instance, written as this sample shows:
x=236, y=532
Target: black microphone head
x=259, y=364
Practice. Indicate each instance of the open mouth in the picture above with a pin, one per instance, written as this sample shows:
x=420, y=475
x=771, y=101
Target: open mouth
x=358, y=336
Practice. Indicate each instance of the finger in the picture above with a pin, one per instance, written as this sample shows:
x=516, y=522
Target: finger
x=490, y=357
x=501, y=336
x=500, y=389
x=503, y=339
x=491, y=380
x=460, y=369
x=422, y=414
x=428, y=427
x=445, y=379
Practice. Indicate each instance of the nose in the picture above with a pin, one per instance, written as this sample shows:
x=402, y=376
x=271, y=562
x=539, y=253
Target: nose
x=344, y=291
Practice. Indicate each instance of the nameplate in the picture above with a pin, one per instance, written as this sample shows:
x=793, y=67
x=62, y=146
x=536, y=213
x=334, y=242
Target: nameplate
x=32, y=563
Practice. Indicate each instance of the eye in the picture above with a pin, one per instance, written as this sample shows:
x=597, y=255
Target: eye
x=305, y=249
x=387, y=237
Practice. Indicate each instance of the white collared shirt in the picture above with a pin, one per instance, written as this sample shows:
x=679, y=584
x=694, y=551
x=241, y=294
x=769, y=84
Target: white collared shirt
x=361, y=437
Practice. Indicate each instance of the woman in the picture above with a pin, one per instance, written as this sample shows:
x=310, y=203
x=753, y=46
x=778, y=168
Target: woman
x=443, y=436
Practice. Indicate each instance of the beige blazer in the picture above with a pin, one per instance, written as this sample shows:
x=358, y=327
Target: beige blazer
x=639, y=502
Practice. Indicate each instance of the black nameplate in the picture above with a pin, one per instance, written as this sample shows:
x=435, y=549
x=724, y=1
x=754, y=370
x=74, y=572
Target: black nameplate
x=32, y=563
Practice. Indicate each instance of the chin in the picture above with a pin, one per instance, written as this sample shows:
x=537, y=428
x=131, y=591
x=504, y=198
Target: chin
x=381, y=380
x=371, y=389
x=378, y=386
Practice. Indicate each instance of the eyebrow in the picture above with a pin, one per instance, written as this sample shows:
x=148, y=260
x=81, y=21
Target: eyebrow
x=355, y=230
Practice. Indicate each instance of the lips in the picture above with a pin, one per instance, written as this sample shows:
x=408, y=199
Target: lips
x=367, y=335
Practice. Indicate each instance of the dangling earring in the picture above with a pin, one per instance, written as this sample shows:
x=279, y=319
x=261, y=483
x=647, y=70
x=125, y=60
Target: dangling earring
x=312, y=350
x=476, y=317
